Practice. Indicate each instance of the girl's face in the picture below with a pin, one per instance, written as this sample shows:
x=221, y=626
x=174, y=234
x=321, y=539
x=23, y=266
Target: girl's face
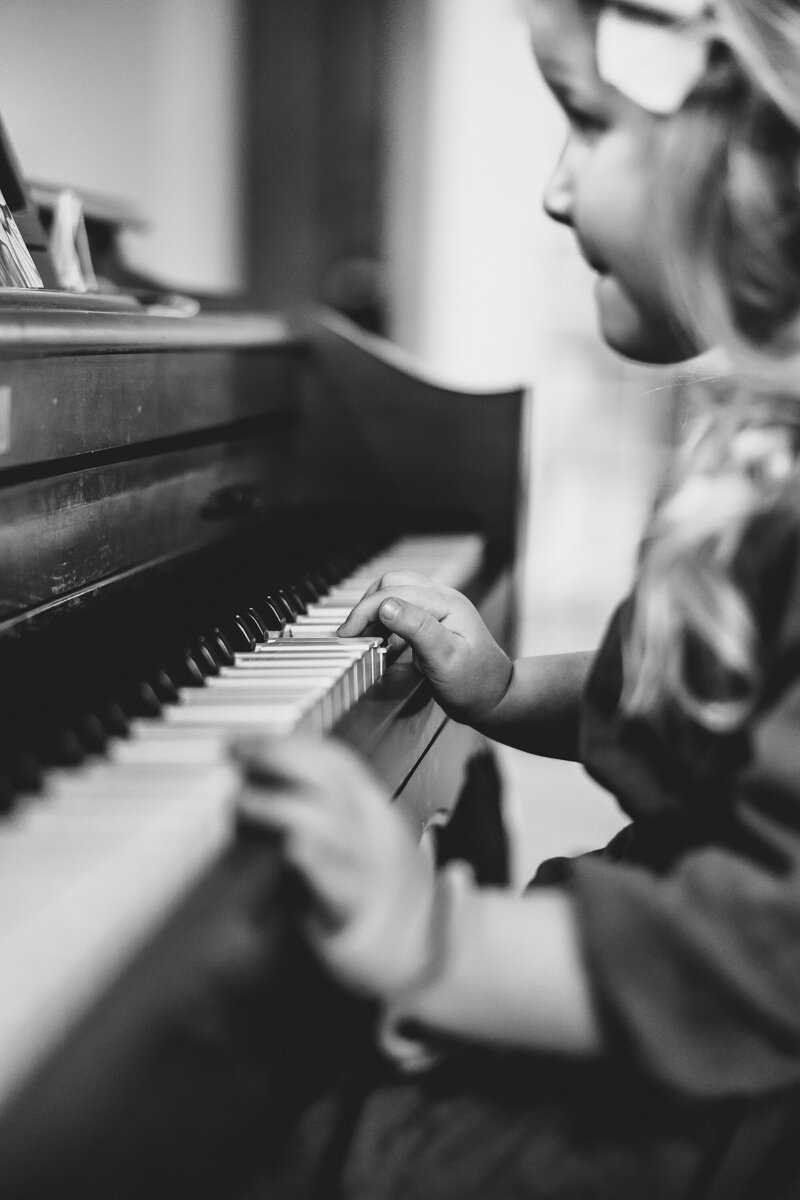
x=602, y=186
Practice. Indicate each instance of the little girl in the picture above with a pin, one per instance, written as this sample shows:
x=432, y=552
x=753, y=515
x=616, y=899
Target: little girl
x=630, y=1027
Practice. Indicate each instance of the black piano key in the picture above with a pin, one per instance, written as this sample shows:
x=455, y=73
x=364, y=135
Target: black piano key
x=284, y=604
x=164, y=687
x=8, y=793
x=273, y=615
x=254, y=628
x=185, y=670
x=306, y=587
x=238, y=633
x=318, y=582
x=112, y=714
x=332, y=571
x=296, y=599
x=64, y=748
x=206, y=658
x=141, y=701
x=25, y=772
x=92, y=733
x=255, y=619
x=220, y=648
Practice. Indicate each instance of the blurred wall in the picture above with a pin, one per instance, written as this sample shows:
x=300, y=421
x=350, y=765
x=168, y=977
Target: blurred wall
x=136, y=99
x=471, y=137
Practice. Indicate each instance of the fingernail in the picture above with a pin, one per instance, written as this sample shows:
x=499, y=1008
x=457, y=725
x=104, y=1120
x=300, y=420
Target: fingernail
x=389, y=611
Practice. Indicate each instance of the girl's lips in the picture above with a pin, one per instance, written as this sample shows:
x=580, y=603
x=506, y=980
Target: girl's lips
x=599, y=268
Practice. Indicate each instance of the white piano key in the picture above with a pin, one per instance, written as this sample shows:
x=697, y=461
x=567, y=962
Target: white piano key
x=65, y=952
x=251, y=715
x=203, y=750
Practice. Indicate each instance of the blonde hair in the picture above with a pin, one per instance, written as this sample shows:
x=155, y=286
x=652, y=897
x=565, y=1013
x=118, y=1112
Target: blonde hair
x=730, y=244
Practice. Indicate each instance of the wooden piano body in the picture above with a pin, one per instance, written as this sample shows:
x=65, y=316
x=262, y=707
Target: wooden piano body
x=141, y=456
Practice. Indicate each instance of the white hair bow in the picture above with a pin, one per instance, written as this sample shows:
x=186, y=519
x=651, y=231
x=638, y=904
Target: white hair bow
x=654, y=51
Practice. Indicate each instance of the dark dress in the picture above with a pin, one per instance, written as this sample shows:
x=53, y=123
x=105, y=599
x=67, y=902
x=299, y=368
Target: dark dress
x=690, y=924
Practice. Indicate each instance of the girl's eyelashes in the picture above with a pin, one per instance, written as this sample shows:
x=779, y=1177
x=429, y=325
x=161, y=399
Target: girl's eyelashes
x=584, y=121
x=585, y=113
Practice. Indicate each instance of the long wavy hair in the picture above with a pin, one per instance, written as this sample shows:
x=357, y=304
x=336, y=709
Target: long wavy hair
x=729, y=238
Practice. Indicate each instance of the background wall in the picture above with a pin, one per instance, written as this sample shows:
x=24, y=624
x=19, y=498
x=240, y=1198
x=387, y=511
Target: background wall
x=137, y=99
x=471, y=136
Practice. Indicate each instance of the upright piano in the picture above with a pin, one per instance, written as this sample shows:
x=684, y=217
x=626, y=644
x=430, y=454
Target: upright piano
x=179, y=495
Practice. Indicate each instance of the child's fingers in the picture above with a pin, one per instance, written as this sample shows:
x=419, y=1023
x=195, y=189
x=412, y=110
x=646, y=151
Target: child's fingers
x=388, y=580
x=363, y=617
x=310, y=826
x=396, y=579
x=357, y=857
x=294, y=762
x=315, y=771
x=431, y=642
x=270, y=807
x=314, y=842
x=368, y=610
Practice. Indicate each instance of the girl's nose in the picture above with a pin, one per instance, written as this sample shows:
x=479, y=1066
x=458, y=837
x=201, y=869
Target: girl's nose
x=559, y=193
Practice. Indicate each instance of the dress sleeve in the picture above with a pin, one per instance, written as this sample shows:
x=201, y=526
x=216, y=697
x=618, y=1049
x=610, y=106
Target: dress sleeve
x=696, y=972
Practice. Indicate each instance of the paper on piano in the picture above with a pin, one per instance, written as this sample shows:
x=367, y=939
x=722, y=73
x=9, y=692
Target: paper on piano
x=69, y=244
x=17, y=268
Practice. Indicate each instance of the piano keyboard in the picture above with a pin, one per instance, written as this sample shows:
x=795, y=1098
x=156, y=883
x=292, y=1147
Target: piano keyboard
x=91, y=864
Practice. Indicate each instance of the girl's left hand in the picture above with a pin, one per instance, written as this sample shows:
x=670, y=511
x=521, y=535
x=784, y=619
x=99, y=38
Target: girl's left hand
x=371, y=887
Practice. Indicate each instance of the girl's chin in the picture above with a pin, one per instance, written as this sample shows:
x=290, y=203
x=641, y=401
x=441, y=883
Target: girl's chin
x=629, y=330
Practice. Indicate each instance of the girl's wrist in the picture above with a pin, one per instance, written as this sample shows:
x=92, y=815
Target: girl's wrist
x=396, y=1034
x=490, y=713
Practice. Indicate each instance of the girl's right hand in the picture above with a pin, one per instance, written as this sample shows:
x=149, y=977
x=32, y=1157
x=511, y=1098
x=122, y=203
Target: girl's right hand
x=370, y=890
x=468, y=671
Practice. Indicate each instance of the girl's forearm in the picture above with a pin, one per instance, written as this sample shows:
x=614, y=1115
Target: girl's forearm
x=540, y=710
x=510, y=974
